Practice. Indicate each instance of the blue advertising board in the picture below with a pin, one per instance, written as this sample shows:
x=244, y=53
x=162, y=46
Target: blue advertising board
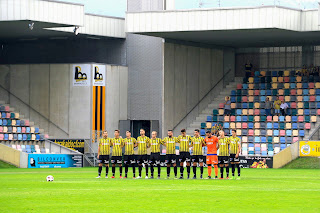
x=54, y=160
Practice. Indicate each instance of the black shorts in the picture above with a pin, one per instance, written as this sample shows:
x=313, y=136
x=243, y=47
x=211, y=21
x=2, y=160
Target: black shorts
x=154, y=158
x=197, y=158
x=129, y=159
x=233, y=158
x=142, y=159
x=184, y=156
x=223, y=159
x=104, y=159
x=116, y=159
x=171, y=158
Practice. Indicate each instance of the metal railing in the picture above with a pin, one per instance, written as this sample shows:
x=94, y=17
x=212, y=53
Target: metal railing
x=205, y=96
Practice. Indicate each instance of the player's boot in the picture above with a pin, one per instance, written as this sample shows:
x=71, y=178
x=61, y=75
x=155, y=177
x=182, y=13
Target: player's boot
x=216, y=177
x=98, y=176
x=194, y=177
x=112, y=177
x=227, y=178
x=175, y=177
x=201, y=177
x=151, y=177
x=221, y=178
x=158, y=177
x=146, y=177
x=233, y=178
x=181, y=177
x=106, y=176
x=238, y=178
x=167, y=177
x=188, y=176
x=209, y=177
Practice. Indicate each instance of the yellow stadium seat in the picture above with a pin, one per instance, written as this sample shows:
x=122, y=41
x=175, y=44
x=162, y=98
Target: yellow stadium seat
x=250, y=92
x=300, y=105
x=226, y=118
x=288, y=125
x=244, y=139
x=263, y=73
x=209, y=125
x=299, y=91
x=250, y=86
x=295, y=132
x=298, y=79
x=250, y=80
x=286, y=85
x=280, y=79
x=299, y=98
x=312, y=91
x=257, y=125
x=257, y=132
x=286, y=73
x=276, y=140
x=300, y=112
x=288, y=118
x=232, y=125
x=286, y=98
x=299, y=85
x=250, y=112
x=221, y=111
x=274, y=86
x=280, y=92
x=274, y=79
x=317, y=85
x=238, y=125
x=275, y=118
x=233, y=105
x=256, y=118
x=239, y=131
x=269, y=132
x=313, y=119
x=245, y=112
x=250, y=99
x=257, y=105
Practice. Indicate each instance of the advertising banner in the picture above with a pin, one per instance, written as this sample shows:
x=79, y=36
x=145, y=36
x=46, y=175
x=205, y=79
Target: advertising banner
x=81, y=74
x=309, y=148
x=98, y=75
x=75, y=144
x=54, y=160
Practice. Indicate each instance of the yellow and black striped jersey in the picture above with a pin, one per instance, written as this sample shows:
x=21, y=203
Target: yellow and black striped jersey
x=224, y=146
x=184, y=143
x=155, y=145
x=117, y=144
x=170, y=144
x=214, y=129
x=104, y=146
x=197, y=143
x=129, y=144
x=143, y=143
x=234, y=144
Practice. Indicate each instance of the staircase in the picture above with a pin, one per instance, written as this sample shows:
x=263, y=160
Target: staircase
x=220, y=98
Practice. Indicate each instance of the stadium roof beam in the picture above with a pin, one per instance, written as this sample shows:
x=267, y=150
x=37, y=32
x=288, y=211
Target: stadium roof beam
x=232, y=27
x=52, y=19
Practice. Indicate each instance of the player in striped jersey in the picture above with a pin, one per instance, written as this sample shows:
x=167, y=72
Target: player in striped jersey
x=143, y=142
x=117, y=145
x=128, y=158
x=197, y=142
x=235, y=147
x=155, y=153
x=104, y=152
x=184, y=156
x=223, y=157
x=171, y=158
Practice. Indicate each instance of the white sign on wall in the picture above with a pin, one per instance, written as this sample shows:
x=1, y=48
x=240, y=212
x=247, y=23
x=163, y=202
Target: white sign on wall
x=81, y=74
x=98, y=75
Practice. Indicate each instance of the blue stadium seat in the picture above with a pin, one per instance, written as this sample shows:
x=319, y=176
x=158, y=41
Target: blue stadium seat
x=292, y=85
x=6, y=137
x=276, y=125
x=317, y=91
x=17, y=122
x=262, y=98
x=262, y=92
x=276, y=132
x=263, y=132
x=209, y=118
x=306, y=98
x=20, y=137
x=281, y=118
x=274, y=73
x=263, y=125
x=283, y=146
x=233, y=93
x=269, y=125
x=257, y=139
x=238, y=118
x=244, y=86
x=27, y=129
x=233, y=99
x=37, y=137
x=318, y=99
x=289, y=139
x=226, y=125
x=24, y=137
x=268, y=92
x=305, y=92
x=250, y=139
x=282, y=139
x=262, y=87
x=245, y=105
x=306, y=111
x=289, y=132
x=239, y=112
x=305, y=85
x=244, y=132
x=294, y=118
x=4, y=122
x=301, y=133
x=202, y=132
x=250, y=125
x=245, y=118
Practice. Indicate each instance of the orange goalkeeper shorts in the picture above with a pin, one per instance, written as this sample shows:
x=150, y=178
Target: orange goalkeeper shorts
x=212, y=159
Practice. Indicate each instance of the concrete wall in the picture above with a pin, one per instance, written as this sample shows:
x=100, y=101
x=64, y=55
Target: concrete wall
x=44, y=94
x=286, y=156
x=189, y=74
x=145, y=63
x=9, y=155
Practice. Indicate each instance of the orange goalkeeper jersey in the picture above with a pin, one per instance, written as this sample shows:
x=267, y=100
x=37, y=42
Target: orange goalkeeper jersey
x=211, y=144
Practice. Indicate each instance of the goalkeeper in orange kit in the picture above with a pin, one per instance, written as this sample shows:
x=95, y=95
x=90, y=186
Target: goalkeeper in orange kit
x=212, y=158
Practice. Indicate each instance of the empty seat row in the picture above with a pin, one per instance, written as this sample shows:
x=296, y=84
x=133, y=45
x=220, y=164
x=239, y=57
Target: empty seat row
x=10, y=129
x=9, y=115
x=9, y=122
x=20, y=137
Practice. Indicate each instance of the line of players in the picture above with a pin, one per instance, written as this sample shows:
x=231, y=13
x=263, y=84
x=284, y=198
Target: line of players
x=229, y=149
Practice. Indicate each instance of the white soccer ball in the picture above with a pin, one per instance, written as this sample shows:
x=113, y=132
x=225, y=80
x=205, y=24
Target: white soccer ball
x=50, y=178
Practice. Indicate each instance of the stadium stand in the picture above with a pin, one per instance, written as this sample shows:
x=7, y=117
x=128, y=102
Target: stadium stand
x=267, y=135
x=19, y=133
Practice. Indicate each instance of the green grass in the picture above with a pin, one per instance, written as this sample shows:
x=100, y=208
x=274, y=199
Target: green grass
x=77, y=190
x=4, y=165
x=304, y=163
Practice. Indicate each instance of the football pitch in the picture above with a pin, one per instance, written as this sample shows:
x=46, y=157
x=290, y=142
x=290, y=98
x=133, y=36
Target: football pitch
x=77, y=190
